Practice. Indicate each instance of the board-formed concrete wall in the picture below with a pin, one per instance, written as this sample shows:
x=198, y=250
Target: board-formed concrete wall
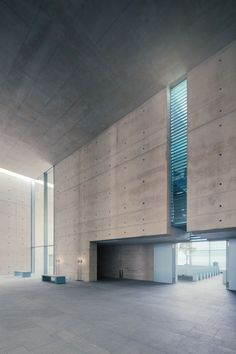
x=212, y=143
x=15, y=224
x=114, y=187
x=135, y=261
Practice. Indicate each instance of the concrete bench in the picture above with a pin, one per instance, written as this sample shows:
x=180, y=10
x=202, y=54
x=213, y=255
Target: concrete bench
x=18, y=273
x=56, y=279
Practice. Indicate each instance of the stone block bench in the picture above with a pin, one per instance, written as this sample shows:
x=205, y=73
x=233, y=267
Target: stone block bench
x=56, y=279
x=18, y=273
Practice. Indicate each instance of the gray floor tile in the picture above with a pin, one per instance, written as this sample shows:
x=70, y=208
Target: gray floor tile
x=120, y=317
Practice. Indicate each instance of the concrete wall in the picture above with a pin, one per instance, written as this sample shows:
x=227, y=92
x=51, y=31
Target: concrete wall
x=136, y=261
x=212, y=142
x=117, y=185
x=15, y=224
x=114, y=187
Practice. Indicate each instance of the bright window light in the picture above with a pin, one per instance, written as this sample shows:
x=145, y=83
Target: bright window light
x=17, y=175
x=24, y=178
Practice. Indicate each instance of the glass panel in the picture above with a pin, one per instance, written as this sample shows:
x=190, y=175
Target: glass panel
x=202, y=254
x=39, y=261
x=50, y=260
x=43, y=224
x=39, y=212
x=50, y=207
x=218, y=253
x=178, y=153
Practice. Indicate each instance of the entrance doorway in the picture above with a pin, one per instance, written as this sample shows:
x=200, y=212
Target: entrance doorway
x=125, y=261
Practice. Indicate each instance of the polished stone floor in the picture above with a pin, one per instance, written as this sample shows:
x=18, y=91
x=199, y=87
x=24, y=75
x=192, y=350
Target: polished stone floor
x=120, y=317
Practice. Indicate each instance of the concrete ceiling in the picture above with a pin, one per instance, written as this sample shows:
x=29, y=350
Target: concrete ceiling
x=69, y=69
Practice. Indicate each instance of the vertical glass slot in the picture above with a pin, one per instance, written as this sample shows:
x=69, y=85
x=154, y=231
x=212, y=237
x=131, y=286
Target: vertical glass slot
x=43, y=224
x=178, y=154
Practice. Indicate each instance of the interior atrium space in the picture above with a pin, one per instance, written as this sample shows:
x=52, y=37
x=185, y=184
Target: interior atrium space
x=117, y=177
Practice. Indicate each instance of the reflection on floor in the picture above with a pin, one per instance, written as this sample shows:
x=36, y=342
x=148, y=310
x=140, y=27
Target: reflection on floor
x=116, y=317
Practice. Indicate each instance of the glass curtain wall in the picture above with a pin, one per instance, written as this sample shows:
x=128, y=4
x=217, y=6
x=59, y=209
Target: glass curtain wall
x=202, y=253
x=43, y=224
x=50, y=221
x=178, y=154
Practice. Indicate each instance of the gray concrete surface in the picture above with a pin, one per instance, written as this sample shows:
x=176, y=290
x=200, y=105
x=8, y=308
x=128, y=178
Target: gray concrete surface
x=114, y=187
x=127, y=317
x=211, y=193
x=117, y=185
x=15, y=224
x=69, y=69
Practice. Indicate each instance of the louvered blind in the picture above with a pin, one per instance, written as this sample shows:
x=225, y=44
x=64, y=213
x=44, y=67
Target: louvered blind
x=178, y=153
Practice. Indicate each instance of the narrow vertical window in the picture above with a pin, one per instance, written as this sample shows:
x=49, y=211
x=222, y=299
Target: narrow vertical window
x=178, y=154
x=43, y=224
